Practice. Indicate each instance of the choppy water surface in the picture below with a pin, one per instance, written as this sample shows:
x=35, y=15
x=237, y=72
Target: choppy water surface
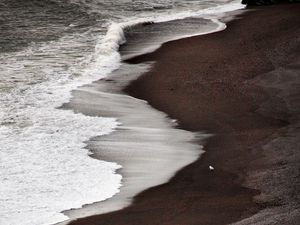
x=47, y=49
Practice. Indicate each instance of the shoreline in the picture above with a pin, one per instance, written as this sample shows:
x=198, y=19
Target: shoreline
x=152, y=129
x=140, y=143
x=195, y=195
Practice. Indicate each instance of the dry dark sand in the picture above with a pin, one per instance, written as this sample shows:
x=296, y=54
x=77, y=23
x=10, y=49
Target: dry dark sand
x=242, y=85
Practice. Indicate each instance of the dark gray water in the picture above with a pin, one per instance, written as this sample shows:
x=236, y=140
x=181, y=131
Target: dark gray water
x=49, y=48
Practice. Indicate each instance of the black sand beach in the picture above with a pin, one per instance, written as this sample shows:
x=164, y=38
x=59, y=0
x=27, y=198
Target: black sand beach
x=242, y=85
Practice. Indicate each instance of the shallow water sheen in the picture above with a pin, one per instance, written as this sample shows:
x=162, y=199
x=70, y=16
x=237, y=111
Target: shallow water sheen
x=146, y=144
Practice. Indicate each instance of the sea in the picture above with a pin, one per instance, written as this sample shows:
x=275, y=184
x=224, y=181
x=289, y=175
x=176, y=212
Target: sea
x=68, y=136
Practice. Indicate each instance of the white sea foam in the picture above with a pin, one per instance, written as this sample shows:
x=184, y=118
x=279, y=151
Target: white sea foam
x=44, y=167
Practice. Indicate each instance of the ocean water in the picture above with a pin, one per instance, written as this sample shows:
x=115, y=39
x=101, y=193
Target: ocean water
x=47, y=49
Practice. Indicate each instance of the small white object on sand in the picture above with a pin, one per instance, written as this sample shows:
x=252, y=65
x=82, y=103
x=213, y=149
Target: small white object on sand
x=211, y=168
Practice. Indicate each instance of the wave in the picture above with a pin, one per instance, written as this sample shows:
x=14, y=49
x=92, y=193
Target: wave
x=116, y=33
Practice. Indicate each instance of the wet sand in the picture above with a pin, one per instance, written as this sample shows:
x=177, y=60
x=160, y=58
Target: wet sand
x=242, y=85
